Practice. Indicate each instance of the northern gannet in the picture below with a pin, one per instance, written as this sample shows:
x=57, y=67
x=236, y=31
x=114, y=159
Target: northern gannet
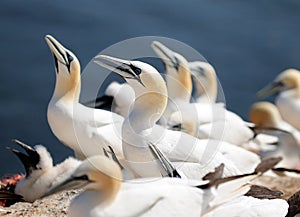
x=204, y=82
x=192, y=156
x=178, y=79
x=266, y=116
x=85, y=130
x=287, y=84
x=202, y=120
x=41, y=175
x=106, y=195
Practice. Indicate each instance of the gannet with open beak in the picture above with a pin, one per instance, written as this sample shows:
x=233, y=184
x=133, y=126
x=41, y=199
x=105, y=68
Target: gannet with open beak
x=202, y=120
x=85, y=130
x=192, y=156
x=287, y=84
x=41, y=175
x=106, y=195
x=266, y=116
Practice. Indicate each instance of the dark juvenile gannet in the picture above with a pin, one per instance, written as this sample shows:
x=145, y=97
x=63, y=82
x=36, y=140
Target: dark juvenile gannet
x=41, y=175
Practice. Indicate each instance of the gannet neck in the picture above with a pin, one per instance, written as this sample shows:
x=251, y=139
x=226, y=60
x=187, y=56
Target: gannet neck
x=265, y=114
x=185, y=80
x=68, y=86
x=205, y=81
x=150, y=100
x=104, y=174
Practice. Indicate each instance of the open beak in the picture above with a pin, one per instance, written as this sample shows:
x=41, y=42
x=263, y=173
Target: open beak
x=30, y=160
x=69, y=184
x=121, y=67
x=168, y=56
x=271, y=89
x=59, y=52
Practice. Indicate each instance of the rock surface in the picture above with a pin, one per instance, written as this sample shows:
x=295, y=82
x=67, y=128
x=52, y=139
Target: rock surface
x=53, y=206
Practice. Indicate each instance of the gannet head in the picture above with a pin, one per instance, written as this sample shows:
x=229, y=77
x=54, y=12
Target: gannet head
x=178, y=122
x=178, y=77
x=148, y=85
x=265, y=114
x=36, y=161
x=67, y=69
x=204, y=80
x=94, y=173
x=288, y=79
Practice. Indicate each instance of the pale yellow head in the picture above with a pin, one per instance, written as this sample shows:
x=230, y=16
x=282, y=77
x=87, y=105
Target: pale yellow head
x=287, y=80
x=178, y=77
x=290, y=78
x=67, y=67
x=265, y=114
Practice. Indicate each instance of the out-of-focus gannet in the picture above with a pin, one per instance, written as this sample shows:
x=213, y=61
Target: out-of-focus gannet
x=204, y=82
x=265, y=115
x=41, y=175
x=106, y=195
x=118, y=97
x=192, y=156
x=85, y=130
x=178, y=78
x=202, y=120
x=287, y=84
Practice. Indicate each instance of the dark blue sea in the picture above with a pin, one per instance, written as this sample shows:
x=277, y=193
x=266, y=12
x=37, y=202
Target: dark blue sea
x=248, y=42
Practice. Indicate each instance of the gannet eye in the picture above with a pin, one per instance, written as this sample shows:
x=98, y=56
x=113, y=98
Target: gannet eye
x=70, y=58
x=138, y=71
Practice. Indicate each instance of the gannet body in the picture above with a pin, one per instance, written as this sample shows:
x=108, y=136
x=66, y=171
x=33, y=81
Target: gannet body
x=287, y=84
x=139, y=128
x=85, y=130
x=106, y=195
x=41, y=175
x=266, y=115
x=118, y=97
x=250, y=207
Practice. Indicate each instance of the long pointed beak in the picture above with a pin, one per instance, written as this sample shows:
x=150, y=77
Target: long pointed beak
x=120, y=66
x=69, y=184
x=165, y=54
x=57, y=49
x=29, y=161
x=270, y=90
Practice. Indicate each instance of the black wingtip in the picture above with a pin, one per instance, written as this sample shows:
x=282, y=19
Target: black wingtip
x=262, y=192
x=215, y=175
x=294, y=204
x=102, y=102
x=267, y=164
